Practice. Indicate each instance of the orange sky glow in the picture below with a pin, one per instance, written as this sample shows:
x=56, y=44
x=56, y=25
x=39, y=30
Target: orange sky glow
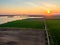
x=28, y=11
x=29, y=7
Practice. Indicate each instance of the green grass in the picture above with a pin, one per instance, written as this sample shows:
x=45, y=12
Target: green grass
x=24, y=24
x=54, y=30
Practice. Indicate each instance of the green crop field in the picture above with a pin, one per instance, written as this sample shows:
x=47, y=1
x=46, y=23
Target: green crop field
x=54, y=30
x=52, y=25
x=24, y=24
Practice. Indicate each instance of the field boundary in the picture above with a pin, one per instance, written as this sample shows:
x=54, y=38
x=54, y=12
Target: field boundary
x=9, y=28
x=46, y=31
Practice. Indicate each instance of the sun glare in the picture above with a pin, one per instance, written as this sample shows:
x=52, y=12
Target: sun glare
x=48, y=11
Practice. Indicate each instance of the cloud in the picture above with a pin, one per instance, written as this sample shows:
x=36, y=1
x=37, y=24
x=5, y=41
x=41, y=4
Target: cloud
x=41, y=5
x=49, y=5
x=31, y=4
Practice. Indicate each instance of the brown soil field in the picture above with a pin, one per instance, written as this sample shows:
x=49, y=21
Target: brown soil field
x=22, y=36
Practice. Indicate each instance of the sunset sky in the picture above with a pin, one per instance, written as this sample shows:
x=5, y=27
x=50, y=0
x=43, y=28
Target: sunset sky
x=29, y=6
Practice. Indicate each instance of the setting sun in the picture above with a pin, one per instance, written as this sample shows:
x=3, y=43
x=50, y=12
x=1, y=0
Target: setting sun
x=48, y=11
